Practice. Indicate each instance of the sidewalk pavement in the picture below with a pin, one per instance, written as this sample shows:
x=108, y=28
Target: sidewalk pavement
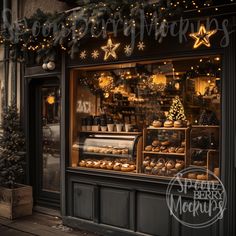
x=38, y=225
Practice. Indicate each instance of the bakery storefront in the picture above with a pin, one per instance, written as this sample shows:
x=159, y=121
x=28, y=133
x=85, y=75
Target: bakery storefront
x=133, y=125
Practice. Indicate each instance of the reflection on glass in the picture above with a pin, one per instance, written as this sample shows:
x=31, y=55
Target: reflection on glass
x=51, y=139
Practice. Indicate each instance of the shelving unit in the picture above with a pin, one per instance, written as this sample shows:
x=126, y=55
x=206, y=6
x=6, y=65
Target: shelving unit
x=107, y=132
x=212, y=154
x=163, y=153
x=170, y=155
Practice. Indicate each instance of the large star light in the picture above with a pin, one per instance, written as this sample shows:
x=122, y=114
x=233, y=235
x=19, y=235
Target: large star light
x=110, y=49
x=202, y=37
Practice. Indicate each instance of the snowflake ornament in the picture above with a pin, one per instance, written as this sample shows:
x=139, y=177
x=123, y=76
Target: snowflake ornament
x=83, y=55
x=141, y=46
x=95, y=54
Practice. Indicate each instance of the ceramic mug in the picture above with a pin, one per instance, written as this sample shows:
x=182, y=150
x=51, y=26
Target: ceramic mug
x=103, y=128
x=127, y=127
x=119, y=127
x=84, y=128
x=110, y=127
x=89, y=127
x=95, y=128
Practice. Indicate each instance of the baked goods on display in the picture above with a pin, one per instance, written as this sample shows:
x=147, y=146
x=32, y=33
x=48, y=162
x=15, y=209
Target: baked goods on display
x=170, y=164
x=171, y=149
x=202, y=177
x=165, y=147
x=156, y=123
x=192, y=175
x=165, y=143
x=127, y=167
x=168, y=123
x=155, y=143
x=156, y=149
x=179, y=165
x=178, y=124
x=96, y=164
x=160, y=163
x=117, y=166
x=107, y=150
x=89, y=164
x=103, y=165
x=106, y=164
x=162, y=166
x=179, y=150
x=82, y=163
x=148, y=170
x=146, y=161
x=153, y=163
x=148, y=148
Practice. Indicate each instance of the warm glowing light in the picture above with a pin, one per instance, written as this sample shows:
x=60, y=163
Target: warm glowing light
x=50, y=99
x=110, y=49
x=202, y=37
x=157, y=82
x=105, y=82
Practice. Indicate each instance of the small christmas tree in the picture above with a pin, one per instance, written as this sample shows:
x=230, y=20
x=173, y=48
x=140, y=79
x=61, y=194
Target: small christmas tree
x=12, y=148
x=176, y=111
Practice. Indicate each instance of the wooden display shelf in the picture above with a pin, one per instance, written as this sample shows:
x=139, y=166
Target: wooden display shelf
x=163, y=153
x=113, y=132
x=107, y=155
x=205, y=149
x=167, y=128
x=205, y=126
x=205, y=167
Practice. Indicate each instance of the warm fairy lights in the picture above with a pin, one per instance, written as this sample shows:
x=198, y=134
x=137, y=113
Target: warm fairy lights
x=47, y=45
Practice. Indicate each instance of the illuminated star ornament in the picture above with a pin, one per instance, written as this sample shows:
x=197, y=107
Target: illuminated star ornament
x=83, y=54
x=110, y=49
x=95, y=54
x=202, y=37
x=141, y=46
x=128, y=50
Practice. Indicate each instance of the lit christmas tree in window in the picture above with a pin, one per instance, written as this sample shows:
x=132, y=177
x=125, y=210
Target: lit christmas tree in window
x=176, y=111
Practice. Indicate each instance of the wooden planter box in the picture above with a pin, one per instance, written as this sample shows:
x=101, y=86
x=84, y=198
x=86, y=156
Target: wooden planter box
x=16, y=202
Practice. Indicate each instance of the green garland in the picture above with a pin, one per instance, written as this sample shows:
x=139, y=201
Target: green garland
x=47, y=34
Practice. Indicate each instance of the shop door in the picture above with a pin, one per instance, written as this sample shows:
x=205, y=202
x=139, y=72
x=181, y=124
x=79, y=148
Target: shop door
x=45, y=154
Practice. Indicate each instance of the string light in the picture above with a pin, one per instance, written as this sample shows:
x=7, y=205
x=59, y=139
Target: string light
x=32, y=43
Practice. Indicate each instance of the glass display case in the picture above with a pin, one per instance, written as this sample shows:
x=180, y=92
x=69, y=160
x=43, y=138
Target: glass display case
x=119, y=152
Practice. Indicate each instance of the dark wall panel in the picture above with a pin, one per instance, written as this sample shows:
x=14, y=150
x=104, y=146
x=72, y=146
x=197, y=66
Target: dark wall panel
x=83, y=201
x=203, y=231
x=153, y=215
x=114, y=207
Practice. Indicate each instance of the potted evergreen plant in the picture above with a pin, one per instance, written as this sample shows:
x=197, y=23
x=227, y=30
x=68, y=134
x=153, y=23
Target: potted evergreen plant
x=15, y=198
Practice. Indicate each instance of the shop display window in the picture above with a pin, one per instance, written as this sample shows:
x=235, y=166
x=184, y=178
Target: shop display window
x=152, y=118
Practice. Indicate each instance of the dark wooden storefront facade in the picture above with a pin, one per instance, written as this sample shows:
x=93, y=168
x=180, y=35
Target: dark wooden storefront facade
x=128, y=204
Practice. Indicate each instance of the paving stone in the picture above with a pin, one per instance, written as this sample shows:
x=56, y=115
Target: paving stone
x=39, y=224
x=4, y=231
